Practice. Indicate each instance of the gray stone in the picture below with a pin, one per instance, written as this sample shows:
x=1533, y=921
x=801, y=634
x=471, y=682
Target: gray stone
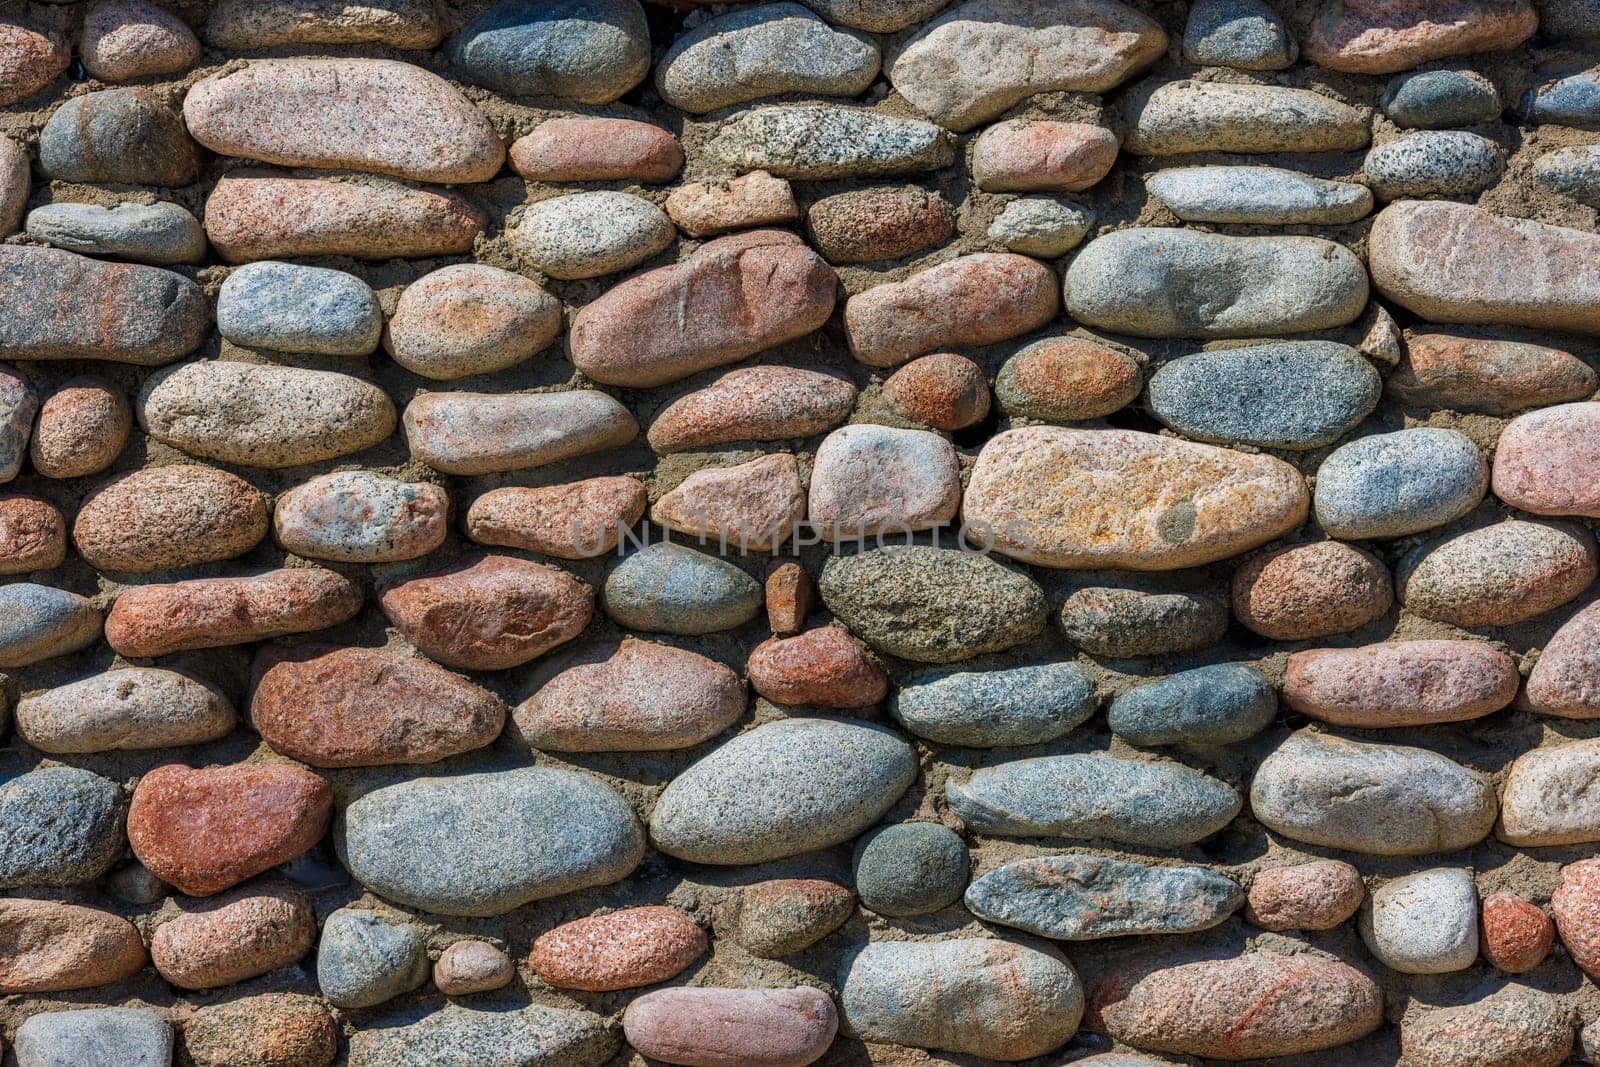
x=456, y=1036
x=18, y=405
x=483, y=844
x=667, y=588
x=95, y=1037
x=125, y=136
x=987, y=709
x=1434, y=163
x=363, y=961
x=59, y=826
x=1549, y=798
x=912, y=868
x=486, y=433
x=287, y=307
x=1245, y=34
x=1423, y=923
x=811, y=142
x=263, y=416
x=996, y=999
x=932, y=605
x=1265, y=196
x=1041, y=227
x=1498, y=574
x=877, y=16
x=788, y=787
x=1512, y=1025
x=133, y=882
x=752, y=52
x=1394, y=484
x=361, y=517
x=1384, y=800
x=1573, y=172
x=132, y=708
x=585, y=51
x=1094, y=795
x=1084, y=898
x=1298, y=396
x=1569, y=19
x=1572, y=101
x=983, y=56
x=1439, y=99
x=585, y=235
x=147, y=233
x=39, y=621
x=1182, y=117
x=1214, y=705
x=1120, y=622
x=1162, y=282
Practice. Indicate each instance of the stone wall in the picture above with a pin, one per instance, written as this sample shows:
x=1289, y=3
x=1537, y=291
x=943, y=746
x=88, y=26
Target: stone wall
x=1225, y=365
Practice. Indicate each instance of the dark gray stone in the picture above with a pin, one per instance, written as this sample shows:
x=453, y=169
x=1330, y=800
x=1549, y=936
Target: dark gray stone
x=585, y=51
x=1246, y=34
x=95, y=1037
x=911, y=868
x=41, y=621
x=147, y=233
x=1572, y=101
x=287, y=307
x=1433, y=163
x=984, y=709
x=1213, y=705
x=59, y=826
x=1439, y=99
x=1082, y=898
x=125, y=136
x=1128, y=623
x=1570, y=19
x=667, y=588
x=456, y=1036
x=1394, y=484
x=363, y=961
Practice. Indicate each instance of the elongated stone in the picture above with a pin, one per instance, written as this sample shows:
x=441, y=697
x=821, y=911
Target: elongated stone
x=533, y=1035
x=1125, y=620
x=1267, y=196
x=1082, y=897
x=813, y=142
x=1400, y=683
x=233, y=938
x=1547, y=799
x=134, y=708
x=750, y=1027
x=251, y=24
x=1498, y=575
x=359, y=114
x=991, y=709
x=1392, y=484
x=586, y=51
x=161, y=233
x=1381, y=37
x=667, y=588
x=623, y=950
x=1385, y=800
x=41, y=621
x=1215, y=705
x=1023, y=156
x=1573, y=172
x=1152, y=804
x=485, y=433
x=19, y=403
x=1491, y=375
x=1513, y=1025
x=1181, y=117
x=287, y=307
x=1433, y=163
x=1160, y=282
x=170, y=517
x=154, y=620
x=598, y=150
x=753, y=404
x=51, y=948
x=578, y=520
x=705, y=209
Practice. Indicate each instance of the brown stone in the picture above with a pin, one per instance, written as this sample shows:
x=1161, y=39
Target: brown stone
x=788, y=915
x=597, y=150
x=1575, y=904
x=790, y=593
x=632, y=696
x=1515, y=1026
x=825, y=668
x=731, y=298
x=579, y=520
x=944, y=391
x=1306, y=591
x=624, y=950
x=165, y=518
x=1400, y=683
x=1065, y=379
x=33, y=535
x=754, y=505
x=365, y=707
x=248, y=25
x=127, y=39
x=468, y=967
x=732, y=1027
x=971, y=300
x=205, y=830
x=30, y=59
x=470, y=318
x=47, y=947
x=1488, y=375
x=1387, y=36
x=465, y=433
x=271, y=1030
x=701, y=209
x=153, y=620
x=753, y=404
x=1307, y=896
x=1498, y=575
x=218, y=942
x=1566, y=679
x=490, y=612
x=1517, y=935
x=864, y=225
x=16, y=179
x=81, y=429
x=254, y=215
x=1023, y=156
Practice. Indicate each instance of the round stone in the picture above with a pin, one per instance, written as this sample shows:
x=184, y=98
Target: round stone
x=33, y=535
x=824, y=667
x=788, y=915
x=1319, y=895
x=667, y=588
x=1438, y=99
x=469, y=318
x=750, y=1027
x=1424, y=923
x=233, y=938
x=159, y=233
x=167, y=518
x=1545, y=799
x=1302, y=592
x=59, y=826
x=1434, y=163
x=1127, y=623
x=1216, y=705
x=1562, y=681
x=81, y=429
x=1063, y=379
x=1573, y=172
x=585, y=51
x=1000, y=708
x=1517, y=935
x=623, y=950
x=869, y=480
x=30, y=59
x=942, y=391
x=913, y=868
x=1041, y=227
x=134, y=708
x=361, y=517
x=287, y=307
x=585, y=235
x=1498, y=575
x=1543, y=460
x=467, y=967
x=363, y=960
x=1400, y=683
x=1393, y=484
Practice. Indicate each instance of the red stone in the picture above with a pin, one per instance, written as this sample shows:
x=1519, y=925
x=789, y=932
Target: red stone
x=1517, y=935
x=597, y=150
x=1306, y=896
x=1026, y=156
x=47, y=947
x=944, y=391
x=30, y=59
x=1575, y=904
x=33, y=535
x=790, y=593
x=1400, y=683
x=1307, y=591
x=153, y=620
x=822, y=668
x=489, y=613
x=579, y=520
x=708, y=1027
x=1068, y=380
x=81, y=430
x=865, y=225
x=1566, y=679
x=205, y=830
x=1387, y=36
x=1494, y=376
x=623, y=950
x=753, y=404
x=217, y=943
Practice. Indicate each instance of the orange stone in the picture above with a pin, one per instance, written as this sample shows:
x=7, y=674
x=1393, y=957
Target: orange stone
x=153, y=620
x=1517, y=935
x=219, y=942
x=1575, y=904
x=944, y=391
x=623, y=950
x=790, y=595
x=825, y=668
x=1065, y=379
x=47, y=947
x=579, y=520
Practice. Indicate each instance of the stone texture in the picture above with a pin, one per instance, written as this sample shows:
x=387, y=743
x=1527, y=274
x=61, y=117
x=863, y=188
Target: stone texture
x=586, y=235
x=362, y=707
x=62, y=826
x=535, y=1035
x=754, y=505
x=1181, y=117
x=943, y=391
x=1215, y=705
x=51, y=947
x=1511, y=1027
x=1042, y=227
x=790, y=594
x=81, y=430
x=702, y=209
x=1498, y=575
x=1517, y=935
x=578, y=520
x=468, y=967
x=1125, y=621
x=38, y=622
x=489, y=842
x=1435, y=99
x=815, y=142
x=15, y=178
x=33, y=535
x=206, y=830
x=1545, y=798
x=252, y=24
x=1542, y=461
x=1266, y=196
x=161, y=234
x=1302, y=592
x=1319, y=895
x=885, y=222
x=30, y=59
x=488, y=433
x=95, y=1037
x=127, y=136
x=1480, y=374
x=1423, y=923
x=788, y=915
x=910, y=869
x=167, y=518
x=269, y=1030
x=820, y=668
x=1394, y=484
x=1065, y=379
x=597, y=150
x=1571, y=172
x=361, y=517
x=1562, y=680
x=1381, y=37
x=877, y=16
x=868, y=480
x=1020, y=156
x=753, y=404
x=1433, y=163
x=290, y=308
x=134, y=708
x=154, y=620
x=998, y=708
x=712, y=1027
x=227, y=940
x=1575, y=904
x=364, y=960
x=1245, y=34
x=583, y=51
x=623, y=950
x=1570, y=101
x=1400, y=683
x=1084, y=898
x=667, y=588
x=18, y=404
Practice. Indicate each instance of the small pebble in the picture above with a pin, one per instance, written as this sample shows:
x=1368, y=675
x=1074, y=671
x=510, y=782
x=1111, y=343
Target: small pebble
x=361, y=517
x=363, y=960
x=789, y=915
x=912, y=868
x=1041, y=227
x=1393, y=484
x=1319, y=895
x=133, y=883
x=1517, y=935
x=704, y=209
x=941, y=391
x=82, y=428
x=667, y=588
x=597, y=150
x=623, y=950
x=1439, y=99
x=790, y=594
x=1423, y=923
x=159, y=233
x=1216, y=705
x=578, y=520
x=999, y=708
x=1434, y=163
x=233, y=938
x=468, y=967
x=585, y=235
x=824, y=667
x=1302, y=592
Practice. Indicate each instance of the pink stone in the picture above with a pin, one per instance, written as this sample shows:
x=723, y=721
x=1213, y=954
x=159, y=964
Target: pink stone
x=1308, y=591
x=623, y=950
x=164, y=518
x=753, y=404
x=30, y=59
x=1566, y=679
x=755, y=505
x=216, y=943
x=597, y=150
x=701, y=209
x=710, y=1027
x=868, y=479
x=866, y=225
x=824, y=668
x=1023, y=156
x=82, y=428
x=126, y=39
x=15, y=184
x=579, y=520
x=33, y=535
x=153, y=620
x=1576, y=907
x=1498, y=377
x=1387, y=36
x=1400, y=683
x=944, y=391
x=1517, y=935
x=468, y=967
x=47, y=947
x=1307, y=896
x=1548, y=461
x=469, y=318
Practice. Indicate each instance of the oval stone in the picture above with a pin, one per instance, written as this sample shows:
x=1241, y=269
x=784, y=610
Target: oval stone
x=1433, y=163
x=1383, y=800
x=1319, y=895
x=82, y=428
x=753, y=404
x=1216, y=705
x=1041, y=226
x=1055, y=497
x=18, y=405
x=1512, y=1025
x=1490, y=375
x=1547, y=797
x=1544, y=461
x=749, y=1027
x=470, y=318
x=59, y=826
x=483, y=844
x=1161, y=282
x=1564, y=679
x=50, y=948
x=345, y=114
x=125, y=136
x=634, y=696
x=267, y=1030
x=1400, y=683
x=877, y=223
x=1572, y=905
x=585, y=51
x=667, y=588
x=530, y=1035
x=1065, y=379
x=1572, y=172
x=598, y=150
x=1308, y=591
x=127, y=39
x=1262, y=196
x=1394, y=484
x=134, y=708
x=1094, y=795
x=264, y=416
x=578, y=520
x=220, y=942
x=980, y=996
x=1176, y=118
x=244, y=25
x=167, y=518
x=154, y=620
x=704, y=209
x=365, y=707
x=1298, y=396
x=1498, y=575
x=361, y=517
x=1436, y=99
x=161, y=233
x=488, y=433
x=33, y=535
x=30, y=59
x=1127, y=621
x=1378, y=37
x=783, y=916
x=40, y=621
x=585, y=235
x=815, y=142
x=286, y=307
x=489, y=613
x=467, y=967
x=1517, y=934
x=623, y=950
x=1423, y=923
x=784, y=788
x=943, y=391
x=866, y=480
x=1021, y=156
x=996, y=709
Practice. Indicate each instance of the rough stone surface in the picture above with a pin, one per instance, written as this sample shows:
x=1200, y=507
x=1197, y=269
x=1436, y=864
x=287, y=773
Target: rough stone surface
x=910, y=869
x=887, y=222
x=820, y=668
x=813, y=142
x=1025, y=157
x=1244, y=34
x=789, y=915
x=289, y=308
x=1545, y=797
x=993, y=709
x=667, y=588
x=468, y=967
x=1512, y=1026
x=154, y=620
x=469, y=319
x=1498, y=575
x=1064, y=379
x=253, y=24
x=1302, y=592
x=233, y=938
x=1400, y=683
x=597, y=150
x=1517, y=935
x=94, y=1037
x=702, y=209
x=33, y=58
x=1041, y=227
x=1257, y=195
x=1182, y=117
x=623, y=950
x=583, y=51
x=1436, y=99
x=1577, y=918
x=62, y=826
x=361, y=517
x=162, y=234
x=132, y=708
x=488, y=433
x=54, y=947
x=1560, y=682
x=82, y=428
x=535, y=1035
x=867, y=479
x=126, y=136
x=168, y=518
x=585, y=235
x=1126, y=622
x=754, y=505
x=1395, y=484
x=1542, y=458
x=1468, y=373
x=1423, y=923
x=711, y=1026
x=1215, y=705
x=269, y=1030
x=1381, y=37
x=33, y=535
x=753, y=404
x=1318, y=895
x=943, y=391
x=1433, y=163
x=578, y=520
x=38, y=622
x=364, y=960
